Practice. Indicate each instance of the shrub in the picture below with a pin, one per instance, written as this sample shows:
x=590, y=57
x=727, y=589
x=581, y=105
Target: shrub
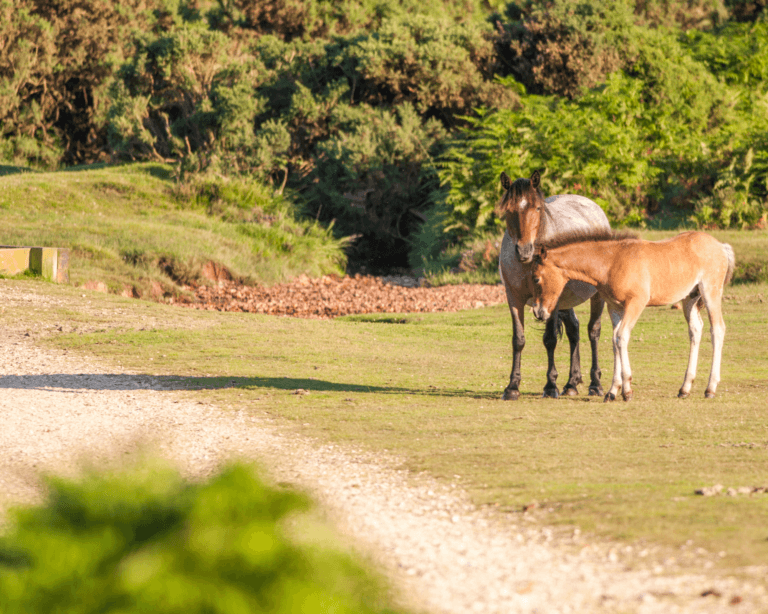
x=564, y=47
x=55, y=65
x=149, y=542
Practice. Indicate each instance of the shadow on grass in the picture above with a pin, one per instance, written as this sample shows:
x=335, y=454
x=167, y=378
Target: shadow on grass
x=67, y=382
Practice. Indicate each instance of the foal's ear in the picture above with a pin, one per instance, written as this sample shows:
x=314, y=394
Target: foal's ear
x=535, y=180
x=540, y=255
x=505, y=181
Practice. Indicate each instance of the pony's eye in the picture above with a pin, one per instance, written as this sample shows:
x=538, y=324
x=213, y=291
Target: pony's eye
x=537, y=280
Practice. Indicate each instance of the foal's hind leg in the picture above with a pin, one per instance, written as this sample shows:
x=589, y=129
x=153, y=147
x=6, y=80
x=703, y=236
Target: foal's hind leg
x=692, y=312
x=712, y=294
x=550, y=343
x=571, y=323
x=595, y=313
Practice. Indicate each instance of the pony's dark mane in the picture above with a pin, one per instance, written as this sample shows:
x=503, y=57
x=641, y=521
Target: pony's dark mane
x=518, y=189
x=590, y=235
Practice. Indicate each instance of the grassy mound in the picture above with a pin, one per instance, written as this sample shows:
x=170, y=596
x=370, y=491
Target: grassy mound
x=139, y=232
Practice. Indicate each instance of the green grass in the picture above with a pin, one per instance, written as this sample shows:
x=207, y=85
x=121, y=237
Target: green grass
x=129, y=226
x=426, y=388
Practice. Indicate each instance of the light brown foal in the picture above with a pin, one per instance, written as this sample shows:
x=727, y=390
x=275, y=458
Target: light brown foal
x=630, y=274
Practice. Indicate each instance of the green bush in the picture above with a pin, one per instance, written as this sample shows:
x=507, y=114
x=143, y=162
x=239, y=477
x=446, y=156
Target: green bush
x=55, y=65
x=149, y=542
x=664, y=135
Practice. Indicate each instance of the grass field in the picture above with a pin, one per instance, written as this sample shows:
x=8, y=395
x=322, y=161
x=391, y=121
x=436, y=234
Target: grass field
x=426, y=389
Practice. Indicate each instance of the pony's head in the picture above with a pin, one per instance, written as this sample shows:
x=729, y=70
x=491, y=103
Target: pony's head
x=523, y=207
x=548, y=284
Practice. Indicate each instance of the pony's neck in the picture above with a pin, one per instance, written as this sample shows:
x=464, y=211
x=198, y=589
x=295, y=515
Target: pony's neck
x=543, y=222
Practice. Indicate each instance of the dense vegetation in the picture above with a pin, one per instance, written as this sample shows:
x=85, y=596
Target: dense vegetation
x=392, y=120
x=146, y=541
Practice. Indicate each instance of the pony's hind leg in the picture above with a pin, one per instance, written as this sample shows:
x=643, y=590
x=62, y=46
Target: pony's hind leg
x=595, y=313
x=550, y=343
x=692, y=311
x=571, y=323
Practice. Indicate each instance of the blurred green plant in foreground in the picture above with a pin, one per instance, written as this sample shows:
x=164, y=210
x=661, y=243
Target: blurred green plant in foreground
x=147, y=541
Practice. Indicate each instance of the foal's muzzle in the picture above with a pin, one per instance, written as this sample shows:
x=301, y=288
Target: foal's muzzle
x=540, y=313
x=524, y=252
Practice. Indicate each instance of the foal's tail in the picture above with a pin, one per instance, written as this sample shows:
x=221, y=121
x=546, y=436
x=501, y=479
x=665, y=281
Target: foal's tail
x=731, y=262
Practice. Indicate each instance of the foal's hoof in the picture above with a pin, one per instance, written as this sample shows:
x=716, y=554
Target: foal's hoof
x=570, y=390
x=683, y=395
x=595, y=391
x=510, y=395
x=709, y=394
x=609, y=397
x=550, y=393
x=627, y=396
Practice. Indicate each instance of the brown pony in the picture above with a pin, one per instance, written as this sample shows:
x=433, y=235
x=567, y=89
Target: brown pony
x=531, y=218
x=630, y=274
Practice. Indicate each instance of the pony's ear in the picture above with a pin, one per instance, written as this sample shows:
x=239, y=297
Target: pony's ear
x=535, y=180
x=505, y=181
x=540, y=255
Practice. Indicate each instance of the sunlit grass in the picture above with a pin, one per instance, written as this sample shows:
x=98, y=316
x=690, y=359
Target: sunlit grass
x=426, y=388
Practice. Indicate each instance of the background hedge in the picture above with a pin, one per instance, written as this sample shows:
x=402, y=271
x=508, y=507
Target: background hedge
x=392, y=120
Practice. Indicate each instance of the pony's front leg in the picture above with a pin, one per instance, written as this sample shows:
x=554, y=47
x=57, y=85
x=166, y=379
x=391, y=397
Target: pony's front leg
x=550, y=343
x=616, y=315
x=692, y=312
x=512, y=391
x=571, y=323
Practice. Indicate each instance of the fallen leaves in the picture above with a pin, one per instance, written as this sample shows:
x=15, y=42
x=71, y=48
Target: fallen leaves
x=331, y=296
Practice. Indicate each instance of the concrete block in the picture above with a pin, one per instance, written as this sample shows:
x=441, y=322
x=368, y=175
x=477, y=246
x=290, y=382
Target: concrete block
x=49, y=262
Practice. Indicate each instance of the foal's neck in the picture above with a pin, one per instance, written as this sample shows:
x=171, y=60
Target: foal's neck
x=588, y=261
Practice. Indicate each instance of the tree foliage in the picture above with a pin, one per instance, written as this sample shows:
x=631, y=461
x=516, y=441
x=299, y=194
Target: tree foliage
x=389, y=121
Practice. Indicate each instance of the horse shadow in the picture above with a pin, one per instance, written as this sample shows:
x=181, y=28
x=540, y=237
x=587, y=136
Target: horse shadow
x=69, y=382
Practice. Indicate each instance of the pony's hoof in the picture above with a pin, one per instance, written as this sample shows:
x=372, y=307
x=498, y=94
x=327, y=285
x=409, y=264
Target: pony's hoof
x=709, y=394
x=510, y=395
x=570, y=391
x=609, y=397
x=627, y=396
x=683, y=395
x=550, y=393
x=595, y=391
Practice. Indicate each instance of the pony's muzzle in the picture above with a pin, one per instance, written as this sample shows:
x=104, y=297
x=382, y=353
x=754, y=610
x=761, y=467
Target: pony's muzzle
x=524, y=252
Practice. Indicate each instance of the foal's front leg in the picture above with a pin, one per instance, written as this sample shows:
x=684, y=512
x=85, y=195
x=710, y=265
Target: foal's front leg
x=616, y=315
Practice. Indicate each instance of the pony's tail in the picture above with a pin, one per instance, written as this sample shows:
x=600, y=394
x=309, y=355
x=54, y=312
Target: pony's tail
x=731, y=263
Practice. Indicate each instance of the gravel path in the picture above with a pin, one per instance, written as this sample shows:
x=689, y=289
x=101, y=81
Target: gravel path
x=60, y=412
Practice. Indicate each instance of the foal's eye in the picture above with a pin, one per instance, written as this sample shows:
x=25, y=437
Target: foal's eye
x=537, y=280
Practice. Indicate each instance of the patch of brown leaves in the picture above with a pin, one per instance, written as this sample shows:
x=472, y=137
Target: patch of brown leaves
x=331, y=296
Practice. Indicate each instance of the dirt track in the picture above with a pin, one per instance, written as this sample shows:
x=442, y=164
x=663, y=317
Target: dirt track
x=441, y=554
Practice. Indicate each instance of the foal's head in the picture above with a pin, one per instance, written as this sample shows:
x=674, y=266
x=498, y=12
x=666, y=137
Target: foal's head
x=523, y=206
x=548, y=284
